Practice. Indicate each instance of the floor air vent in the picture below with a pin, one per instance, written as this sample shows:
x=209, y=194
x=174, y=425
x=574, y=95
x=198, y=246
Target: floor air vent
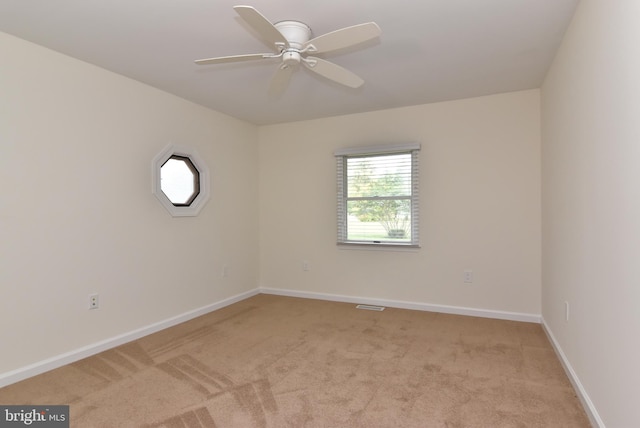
x=371, y=308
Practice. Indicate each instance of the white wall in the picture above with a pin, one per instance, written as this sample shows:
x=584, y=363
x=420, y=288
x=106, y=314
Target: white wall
x=480, y=205
x=77, y=215
x=591, y=204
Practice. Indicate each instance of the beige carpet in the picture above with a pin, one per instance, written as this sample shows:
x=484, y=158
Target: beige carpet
x=274, y=361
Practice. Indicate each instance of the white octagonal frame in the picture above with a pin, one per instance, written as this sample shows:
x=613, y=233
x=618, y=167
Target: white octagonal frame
x=199, y=202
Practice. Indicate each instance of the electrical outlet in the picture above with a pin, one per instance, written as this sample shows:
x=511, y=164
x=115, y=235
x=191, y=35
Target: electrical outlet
x=225, y=271
x=468, y=276
x=305, y=265
x=94, y=301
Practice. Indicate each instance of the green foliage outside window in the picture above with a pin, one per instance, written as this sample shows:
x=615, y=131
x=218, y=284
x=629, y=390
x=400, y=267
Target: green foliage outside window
x=379, y=190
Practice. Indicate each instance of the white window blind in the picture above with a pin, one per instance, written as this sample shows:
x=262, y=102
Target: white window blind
x=377, y=195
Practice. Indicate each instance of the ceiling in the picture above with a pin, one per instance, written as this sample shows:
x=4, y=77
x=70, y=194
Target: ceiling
x=429, y=50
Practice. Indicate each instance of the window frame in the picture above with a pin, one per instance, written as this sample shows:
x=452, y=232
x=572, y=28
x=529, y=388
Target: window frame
x=198, y=202
x=342, y=155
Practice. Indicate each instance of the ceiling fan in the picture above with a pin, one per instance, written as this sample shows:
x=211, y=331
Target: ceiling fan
x=291, y=41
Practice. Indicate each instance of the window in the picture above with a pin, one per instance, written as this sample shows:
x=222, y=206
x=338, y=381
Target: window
x=378, y=195
x=180, y=180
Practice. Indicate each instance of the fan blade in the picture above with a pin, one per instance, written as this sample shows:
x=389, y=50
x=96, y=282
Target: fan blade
x=280, y=80
x=333, y=72
x=344, y=38
x=262, y=25
x=233, y=58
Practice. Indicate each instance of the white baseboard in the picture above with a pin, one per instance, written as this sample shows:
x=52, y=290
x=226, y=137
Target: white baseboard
x=95, y=348
x=86, y=351
x=456, y=310
x=589, y=408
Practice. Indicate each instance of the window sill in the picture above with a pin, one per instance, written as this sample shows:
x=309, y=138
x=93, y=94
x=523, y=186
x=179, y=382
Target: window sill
x=378, y=246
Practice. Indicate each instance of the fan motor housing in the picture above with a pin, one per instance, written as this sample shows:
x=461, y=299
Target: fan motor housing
x=297, y=33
